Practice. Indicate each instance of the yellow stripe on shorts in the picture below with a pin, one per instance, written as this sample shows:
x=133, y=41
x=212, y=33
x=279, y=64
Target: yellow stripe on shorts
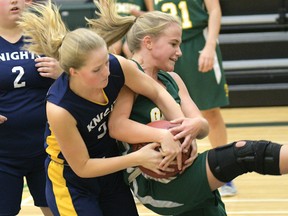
x=61, y=192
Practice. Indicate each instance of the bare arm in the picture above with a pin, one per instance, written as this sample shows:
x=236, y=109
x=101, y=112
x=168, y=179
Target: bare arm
x=134, y=132
x=206, y=59
x=119, y=118
x=197, y=126
x=140, y=83
x=149, y=5
x=75, y=152
x=193, y=127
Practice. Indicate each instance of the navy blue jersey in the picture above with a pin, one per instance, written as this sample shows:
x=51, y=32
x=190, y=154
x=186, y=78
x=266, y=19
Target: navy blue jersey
x=92, y=118
x=22, y=96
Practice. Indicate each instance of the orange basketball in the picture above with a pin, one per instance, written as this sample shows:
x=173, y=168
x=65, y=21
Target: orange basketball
x=163, y=124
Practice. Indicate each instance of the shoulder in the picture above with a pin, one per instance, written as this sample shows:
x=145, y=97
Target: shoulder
x=115, y=64
x=60, y=82
x=177, y=79
x=58, y=88
x=174, y=76
x=125, y=64
x=58, y=117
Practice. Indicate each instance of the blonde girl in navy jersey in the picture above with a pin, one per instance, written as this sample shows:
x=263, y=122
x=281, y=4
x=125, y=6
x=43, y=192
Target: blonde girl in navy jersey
x=154, y=40
x=24, y=82
x=84, y=169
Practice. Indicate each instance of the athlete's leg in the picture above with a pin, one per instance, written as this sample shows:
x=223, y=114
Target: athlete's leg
x=36, y=184
x=117, y=199
x=218, y=137
x=227, y=162
x=213, y=181
x=217, y=129
x=36, y=181
x=284, y=159
x=67, y=194
x=11, y=188
x=46, y=211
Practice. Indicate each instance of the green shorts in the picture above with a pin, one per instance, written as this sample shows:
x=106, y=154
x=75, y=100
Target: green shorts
x=208, y=90
x=188, y=194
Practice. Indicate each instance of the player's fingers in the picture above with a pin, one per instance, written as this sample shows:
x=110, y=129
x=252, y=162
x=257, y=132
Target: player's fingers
x=178, y=132
x=185, y=167
x=166, y=162
x=186, y=144
x=206, y=66
x=168, y=169
x=154, y=145
x=191, y=159
x=44, y=69
x=188, y=163
x=159, y=171
x=177, y=121
x=194, y=152
x=44, y=61
x=179, y=161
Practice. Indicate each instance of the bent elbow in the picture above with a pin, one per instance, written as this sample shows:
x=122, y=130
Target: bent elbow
x=112, y=130
x=205, y=129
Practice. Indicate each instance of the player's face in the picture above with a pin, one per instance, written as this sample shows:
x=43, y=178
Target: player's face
x=95, y=72
x=10, y=11
x=166, y=48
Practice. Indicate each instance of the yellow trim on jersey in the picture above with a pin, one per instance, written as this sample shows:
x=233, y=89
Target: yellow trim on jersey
x=105, y=98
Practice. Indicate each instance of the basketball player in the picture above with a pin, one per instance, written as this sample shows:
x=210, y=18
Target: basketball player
x=24, y=81
x=201, y=67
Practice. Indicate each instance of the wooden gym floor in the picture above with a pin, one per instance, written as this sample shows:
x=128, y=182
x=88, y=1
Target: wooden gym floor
x=257, y=195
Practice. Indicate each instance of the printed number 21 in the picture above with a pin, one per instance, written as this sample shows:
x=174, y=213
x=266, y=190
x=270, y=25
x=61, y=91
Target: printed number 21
x=172, y=9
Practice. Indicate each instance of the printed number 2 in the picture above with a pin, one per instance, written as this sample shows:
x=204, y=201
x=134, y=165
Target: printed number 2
x=172, y=9
x=20, y=71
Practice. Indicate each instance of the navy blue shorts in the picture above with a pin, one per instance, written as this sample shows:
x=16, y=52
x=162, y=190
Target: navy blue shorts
x=12, y=173
x=68, y=194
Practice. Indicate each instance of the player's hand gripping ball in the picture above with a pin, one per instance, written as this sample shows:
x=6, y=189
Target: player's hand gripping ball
x=163, y=124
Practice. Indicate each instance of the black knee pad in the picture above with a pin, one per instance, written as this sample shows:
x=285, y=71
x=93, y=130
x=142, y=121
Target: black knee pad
x=227, y=162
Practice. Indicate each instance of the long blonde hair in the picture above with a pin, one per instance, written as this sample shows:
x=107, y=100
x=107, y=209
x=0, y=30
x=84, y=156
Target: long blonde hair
x=112, y=27
x=47, y=34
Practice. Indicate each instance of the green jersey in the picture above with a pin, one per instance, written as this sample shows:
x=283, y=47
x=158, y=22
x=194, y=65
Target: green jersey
x=208, y=90
x=185, y=195
x=145, y=111
x=124, y=7
x=193, y=14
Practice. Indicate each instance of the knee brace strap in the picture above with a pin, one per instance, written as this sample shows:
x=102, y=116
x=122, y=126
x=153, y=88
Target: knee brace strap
x=227, y=162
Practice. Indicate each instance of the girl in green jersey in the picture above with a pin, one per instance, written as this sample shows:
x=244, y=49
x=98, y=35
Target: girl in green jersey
x=154, y=39
x=201, y=67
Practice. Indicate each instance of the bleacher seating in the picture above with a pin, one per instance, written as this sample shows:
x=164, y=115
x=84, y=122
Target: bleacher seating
x=254, y=44
x=73, y=12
